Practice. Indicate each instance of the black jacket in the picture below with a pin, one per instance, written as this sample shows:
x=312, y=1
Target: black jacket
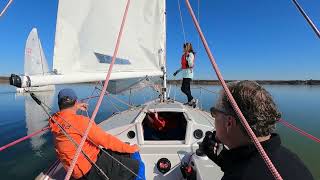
x=245, y=163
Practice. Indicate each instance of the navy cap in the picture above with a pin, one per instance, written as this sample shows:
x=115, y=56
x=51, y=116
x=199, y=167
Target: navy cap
x=67, y=93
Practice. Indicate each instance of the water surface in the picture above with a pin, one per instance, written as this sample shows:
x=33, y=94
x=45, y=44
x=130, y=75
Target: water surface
x=21, y=116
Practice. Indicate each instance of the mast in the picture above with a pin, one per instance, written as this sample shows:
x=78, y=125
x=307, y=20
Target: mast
x=164, y=67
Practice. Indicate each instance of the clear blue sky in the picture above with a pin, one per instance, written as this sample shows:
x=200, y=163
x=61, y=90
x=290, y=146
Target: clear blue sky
x=250, y=39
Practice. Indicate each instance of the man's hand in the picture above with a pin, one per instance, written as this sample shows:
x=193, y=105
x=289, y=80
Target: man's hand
x=210, y=145
x=175, y=73
x=136, y=147
x=82, y=106
x=209, y=141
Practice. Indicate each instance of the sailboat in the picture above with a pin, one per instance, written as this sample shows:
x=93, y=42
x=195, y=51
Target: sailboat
x=35, y=64
x=84, y=44
x=83, y=53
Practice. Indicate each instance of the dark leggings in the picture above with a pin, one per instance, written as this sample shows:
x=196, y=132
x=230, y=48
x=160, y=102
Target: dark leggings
x=185, y=88
x=112, y=168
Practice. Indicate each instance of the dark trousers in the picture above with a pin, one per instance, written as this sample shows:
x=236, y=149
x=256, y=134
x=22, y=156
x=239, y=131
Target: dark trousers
x=185, y=88
x=112, y=168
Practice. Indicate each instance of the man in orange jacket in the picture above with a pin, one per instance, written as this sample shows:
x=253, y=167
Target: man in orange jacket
x=75, y=126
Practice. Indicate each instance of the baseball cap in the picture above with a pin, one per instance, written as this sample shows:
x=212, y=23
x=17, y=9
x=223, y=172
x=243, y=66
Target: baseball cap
x=68, y=94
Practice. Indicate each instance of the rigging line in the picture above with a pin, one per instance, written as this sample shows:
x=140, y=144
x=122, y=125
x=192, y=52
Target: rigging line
x=120, y=100
x=5, y=8
x=299, y=131
x=114, y=97
x=113, y=104
x=100, y=172
x=244, y=122
x=93, y=91
x=23, y=138
x=175, y=90
x=42, y=103
x=314, y=28
x=199, y=24
x=181, y=21
x=26, y=137
x=118, y=160
x=78, y=131
x=76, y=146
x=53, y=167
x=67, y=177
x=200, y=98
x=210, y=91
x=102, y=149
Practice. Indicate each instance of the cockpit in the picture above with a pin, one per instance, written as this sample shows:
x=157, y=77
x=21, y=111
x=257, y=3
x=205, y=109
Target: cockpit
x=164, y=126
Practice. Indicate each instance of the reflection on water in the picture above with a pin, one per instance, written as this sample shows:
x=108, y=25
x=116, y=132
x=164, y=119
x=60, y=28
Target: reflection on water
x=36, y=118
x=20, y=116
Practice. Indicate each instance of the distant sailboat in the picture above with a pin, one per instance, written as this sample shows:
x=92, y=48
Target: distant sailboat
x=35, y=64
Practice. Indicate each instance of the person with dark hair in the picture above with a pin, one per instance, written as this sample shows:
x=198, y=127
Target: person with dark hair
x=231, y=148
x=187, y=64
x=75, y=126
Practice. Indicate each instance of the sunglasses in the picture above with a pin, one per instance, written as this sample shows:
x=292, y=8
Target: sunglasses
x=214, y=112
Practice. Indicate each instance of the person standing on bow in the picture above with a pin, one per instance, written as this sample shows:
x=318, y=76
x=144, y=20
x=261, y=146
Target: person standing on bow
x=187, y=64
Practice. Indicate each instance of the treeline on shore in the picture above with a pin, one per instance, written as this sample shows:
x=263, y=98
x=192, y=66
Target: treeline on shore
x=263, y=82
x=5, y=80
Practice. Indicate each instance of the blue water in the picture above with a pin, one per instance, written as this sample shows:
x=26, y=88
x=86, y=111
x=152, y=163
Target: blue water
x=298, y=104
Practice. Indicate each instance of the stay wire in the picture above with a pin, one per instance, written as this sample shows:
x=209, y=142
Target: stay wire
x=89, y=138
x=181, y=21
x=101, y=173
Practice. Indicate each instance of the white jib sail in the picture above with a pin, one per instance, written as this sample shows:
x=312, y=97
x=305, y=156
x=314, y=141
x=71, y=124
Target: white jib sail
x=86, y=36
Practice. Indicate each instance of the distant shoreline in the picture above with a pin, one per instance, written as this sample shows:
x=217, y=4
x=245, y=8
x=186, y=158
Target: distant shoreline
x=263, y=82
x=5, y=80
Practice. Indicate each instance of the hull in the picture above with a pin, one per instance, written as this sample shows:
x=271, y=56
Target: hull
x=178, y=147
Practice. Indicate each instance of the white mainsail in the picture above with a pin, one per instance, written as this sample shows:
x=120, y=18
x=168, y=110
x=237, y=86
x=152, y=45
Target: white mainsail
x=35, y=62
x=86, y=34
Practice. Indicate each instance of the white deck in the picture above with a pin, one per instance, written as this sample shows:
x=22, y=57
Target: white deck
x=176, y=151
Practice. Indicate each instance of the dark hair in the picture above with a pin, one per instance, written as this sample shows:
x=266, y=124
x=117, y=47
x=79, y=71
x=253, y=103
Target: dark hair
x=65, y=103
x=256, y=104
x=185, y=45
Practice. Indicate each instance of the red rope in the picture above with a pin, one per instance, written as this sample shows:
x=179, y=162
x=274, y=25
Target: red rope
x=244, y=122
x=23, y=138
x=299, y=131
x=5, y=8
x=73, y=163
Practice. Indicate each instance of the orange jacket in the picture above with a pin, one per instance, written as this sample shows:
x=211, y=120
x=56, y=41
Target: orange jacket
x=66, y=150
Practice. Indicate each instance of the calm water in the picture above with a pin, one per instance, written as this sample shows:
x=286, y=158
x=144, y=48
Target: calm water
x=21, y=116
